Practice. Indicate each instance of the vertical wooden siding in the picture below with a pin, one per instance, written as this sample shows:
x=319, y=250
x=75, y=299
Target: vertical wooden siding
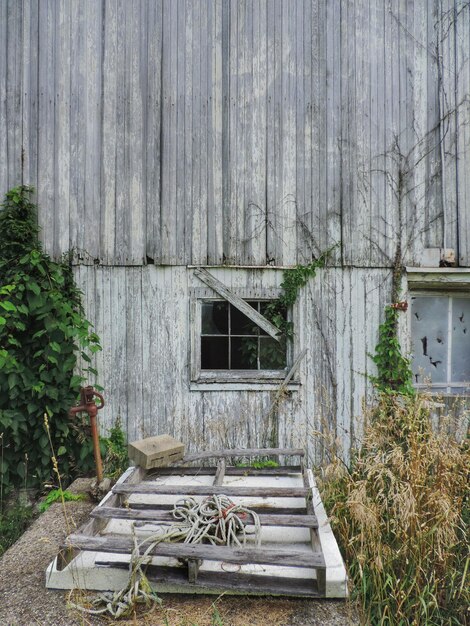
x=251, y=132
x=147, y=381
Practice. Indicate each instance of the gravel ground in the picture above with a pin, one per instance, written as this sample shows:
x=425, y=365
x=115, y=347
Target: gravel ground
x=24, y=600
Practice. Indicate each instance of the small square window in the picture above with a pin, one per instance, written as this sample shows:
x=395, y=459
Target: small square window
x=231, y=341
x=440, y=337
x=229, y=346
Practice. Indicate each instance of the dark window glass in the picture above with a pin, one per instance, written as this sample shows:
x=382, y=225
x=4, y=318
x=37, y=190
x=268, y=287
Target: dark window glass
x=215, y=318
x=214, y=353
x=231, y=341
x=240, y=324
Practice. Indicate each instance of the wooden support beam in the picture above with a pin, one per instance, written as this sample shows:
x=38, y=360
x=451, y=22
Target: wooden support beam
x=239, y=303
x=165, y=517
x=209, y=490
x=117, y=544
x=193, y=570
x=316, y=545
x=220, y=473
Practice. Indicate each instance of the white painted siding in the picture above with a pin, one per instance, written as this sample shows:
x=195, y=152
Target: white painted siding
x=142, y=316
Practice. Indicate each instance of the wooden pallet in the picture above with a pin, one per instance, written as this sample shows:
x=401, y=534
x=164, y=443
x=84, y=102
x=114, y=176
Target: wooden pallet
x=298, y=554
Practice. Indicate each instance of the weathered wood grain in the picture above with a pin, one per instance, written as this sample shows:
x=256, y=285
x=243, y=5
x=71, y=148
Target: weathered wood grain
x=248, y=452
x=206, y=490
x=157, y=515
x=251, y=133
x=241, y=583
x=121, y=545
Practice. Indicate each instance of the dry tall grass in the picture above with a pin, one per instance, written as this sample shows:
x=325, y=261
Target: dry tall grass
x=401, y=516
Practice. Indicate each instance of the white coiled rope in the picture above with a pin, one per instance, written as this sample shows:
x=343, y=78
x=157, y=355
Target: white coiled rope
x=216, y=520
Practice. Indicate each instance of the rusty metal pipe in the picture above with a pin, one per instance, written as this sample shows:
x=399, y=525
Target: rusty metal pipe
x=96, y=448
x=88, y=405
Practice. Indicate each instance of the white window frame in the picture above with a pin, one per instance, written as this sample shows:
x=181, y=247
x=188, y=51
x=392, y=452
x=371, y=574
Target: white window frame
x=253, y=378
x=444, y=282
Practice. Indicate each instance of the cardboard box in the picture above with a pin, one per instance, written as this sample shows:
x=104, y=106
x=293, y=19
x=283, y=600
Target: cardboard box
x=156, y=451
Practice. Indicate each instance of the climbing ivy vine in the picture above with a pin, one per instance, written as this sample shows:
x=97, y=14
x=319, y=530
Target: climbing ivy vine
x=293, y=280
x=43, y=331
x=393, y=369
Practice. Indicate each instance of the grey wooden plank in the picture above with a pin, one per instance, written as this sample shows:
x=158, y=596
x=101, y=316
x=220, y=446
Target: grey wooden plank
x=229, y=471
x=4, y=182
x=179, y=79
x=92, y=66
x=260, y=509
x=153, y=118
x=239, y=452
x=109, y=133
x=215, y=134
x=46, y=175
x=96, y=524
x=29, y=91
x=238, y=302
x=156, y=515
x=13, y=91
x=205, y=490
x=274, y=131
x=267, y=556
x=462, y=68
x=220, y=472
x=135, y=370
x=220, y=582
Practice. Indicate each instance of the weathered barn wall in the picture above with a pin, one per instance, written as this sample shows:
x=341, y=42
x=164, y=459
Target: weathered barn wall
x=162, y=133
x=251, y=132
x=143, y=317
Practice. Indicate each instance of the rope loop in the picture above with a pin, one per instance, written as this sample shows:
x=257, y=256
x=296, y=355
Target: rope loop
x=216, y=520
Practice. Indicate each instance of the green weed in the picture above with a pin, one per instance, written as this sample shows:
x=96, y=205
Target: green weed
x=59, y=495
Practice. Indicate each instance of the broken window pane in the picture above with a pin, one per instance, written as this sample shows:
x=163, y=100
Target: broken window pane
x=440, y=329
x=460, y=357
x=429, y=333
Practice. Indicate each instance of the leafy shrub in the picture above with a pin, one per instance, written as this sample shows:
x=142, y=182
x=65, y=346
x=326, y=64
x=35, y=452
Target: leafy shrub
x=42, y=332
x=401, y=517
x=13, y=523
x=116, y=459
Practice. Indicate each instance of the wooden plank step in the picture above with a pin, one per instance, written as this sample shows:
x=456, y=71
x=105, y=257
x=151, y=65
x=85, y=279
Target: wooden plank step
x=266, y=556
x=209, y=490
x=286, y=470
x=245, y=583
x=105, y=512
x=246, y=453
x=269, y=508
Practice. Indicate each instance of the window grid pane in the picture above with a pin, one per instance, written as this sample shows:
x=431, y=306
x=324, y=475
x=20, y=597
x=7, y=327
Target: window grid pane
x=243, y=349
x=440, y=334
